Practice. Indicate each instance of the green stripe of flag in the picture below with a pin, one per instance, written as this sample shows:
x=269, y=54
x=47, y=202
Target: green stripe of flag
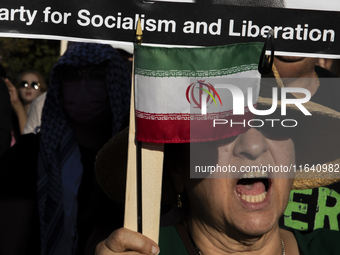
x=197, y=62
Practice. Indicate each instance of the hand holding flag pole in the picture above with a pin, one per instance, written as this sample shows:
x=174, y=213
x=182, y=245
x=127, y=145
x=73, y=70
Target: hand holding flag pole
x=143, y=186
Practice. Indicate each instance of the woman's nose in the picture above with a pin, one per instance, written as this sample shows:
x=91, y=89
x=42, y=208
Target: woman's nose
x=251, y=144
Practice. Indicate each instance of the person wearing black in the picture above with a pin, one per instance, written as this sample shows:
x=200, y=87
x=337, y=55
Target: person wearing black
x=49, y=176
x=5, y=118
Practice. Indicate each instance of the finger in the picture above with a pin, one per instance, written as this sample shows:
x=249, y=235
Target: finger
x=8, y=83
x=101, y=249
x=126, y=240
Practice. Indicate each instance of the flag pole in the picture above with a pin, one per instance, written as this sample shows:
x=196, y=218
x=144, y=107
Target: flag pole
x=131, y=214
x=152, y=170
x=144, y=186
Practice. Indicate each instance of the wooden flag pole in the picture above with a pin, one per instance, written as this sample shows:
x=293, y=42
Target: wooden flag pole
x=152, y=170
x=130, y=215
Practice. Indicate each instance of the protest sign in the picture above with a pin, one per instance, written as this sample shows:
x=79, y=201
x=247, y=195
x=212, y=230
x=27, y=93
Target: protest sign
x=297, y=31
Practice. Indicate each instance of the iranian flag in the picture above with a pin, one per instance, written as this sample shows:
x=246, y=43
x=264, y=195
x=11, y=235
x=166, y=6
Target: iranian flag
x=179, y=92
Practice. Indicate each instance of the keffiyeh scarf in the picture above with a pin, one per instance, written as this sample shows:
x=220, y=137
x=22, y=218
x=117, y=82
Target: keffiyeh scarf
x=59, y=161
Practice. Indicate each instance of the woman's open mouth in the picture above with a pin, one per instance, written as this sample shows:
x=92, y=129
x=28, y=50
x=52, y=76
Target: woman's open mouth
x=253, y=187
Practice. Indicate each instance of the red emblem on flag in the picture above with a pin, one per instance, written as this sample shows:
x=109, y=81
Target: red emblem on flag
x=196, y=95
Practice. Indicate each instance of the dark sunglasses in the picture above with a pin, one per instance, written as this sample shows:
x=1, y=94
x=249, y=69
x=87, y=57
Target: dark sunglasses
x=277, y=127
x=278, y=132
x=94, y=75
x=25, y=84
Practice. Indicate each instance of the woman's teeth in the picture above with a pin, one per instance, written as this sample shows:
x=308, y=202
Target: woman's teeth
x=254, y=199
x=255, y=174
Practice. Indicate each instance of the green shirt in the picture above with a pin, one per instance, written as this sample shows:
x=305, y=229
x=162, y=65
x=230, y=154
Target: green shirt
x=320, y=241
x=170, y=243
